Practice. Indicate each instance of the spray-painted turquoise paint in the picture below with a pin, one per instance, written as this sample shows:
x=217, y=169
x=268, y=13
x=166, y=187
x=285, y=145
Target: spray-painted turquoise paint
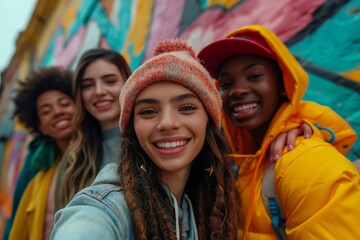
x=114, y=35
x=83, y=15
x=336, y=44
x=49, y=55
x=342, y=100
x=136, y=60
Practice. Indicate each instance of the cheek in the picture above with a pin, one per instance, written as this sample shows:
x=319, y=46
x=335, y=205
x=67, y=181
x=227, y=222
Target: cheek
x=86, y=96
x=141, y=130
x=116, y=90
x=223, y=95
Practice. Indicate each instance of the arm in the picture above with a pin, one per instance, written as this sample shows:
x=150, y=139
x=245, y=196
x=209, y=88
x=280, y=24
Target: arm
x=88, y=217
x=319, y=192
x=334, y=129
x=288, y=139
x=19, y=224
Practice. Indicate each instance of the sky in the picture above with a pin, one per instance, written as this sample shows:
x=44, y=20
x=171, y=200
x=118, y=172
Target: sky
x=14, y=17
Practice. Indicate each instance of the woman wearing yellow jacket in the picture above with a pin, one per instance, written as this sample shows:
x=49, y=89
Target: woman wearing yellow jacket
x=261, y=85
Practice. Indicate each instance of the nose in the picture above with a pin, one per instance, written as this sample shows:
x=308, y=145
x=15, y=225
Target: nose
x=168, y=121
x=99, y=89
x=58, y=110
x=239, y=90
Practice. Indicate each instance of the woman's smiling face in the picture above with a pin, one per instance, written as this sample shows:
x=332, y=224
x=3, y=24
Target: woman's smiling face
x=170, y=123
x=101, y=86
x=250, y=90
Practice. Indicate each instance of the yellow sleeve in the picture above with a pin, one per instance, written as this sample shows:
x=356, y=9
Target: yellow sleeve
x=20, y=228
x=319, y=190
x=332, y=126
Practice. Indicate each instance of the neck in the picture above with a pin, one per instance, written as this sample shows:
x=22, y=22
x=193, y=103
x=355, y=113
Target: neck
x=109, y=125
x=176, y=182
x=258, y=135
x=62, y=145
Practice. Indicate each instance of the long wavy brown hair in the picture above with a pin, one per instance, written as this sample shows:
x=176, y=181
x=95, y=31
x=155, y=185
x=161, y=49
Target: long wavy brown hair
x=214, y=197
x=85, y=150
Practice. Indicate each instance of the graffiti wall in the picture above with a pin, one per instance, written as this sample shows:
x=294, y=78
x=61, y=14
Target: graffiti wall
x=323, y=35
x=319, y=33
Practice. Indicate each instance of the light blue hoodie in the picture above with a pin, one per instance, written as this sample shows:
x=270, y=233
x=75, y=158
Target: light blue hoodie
x=101, y=212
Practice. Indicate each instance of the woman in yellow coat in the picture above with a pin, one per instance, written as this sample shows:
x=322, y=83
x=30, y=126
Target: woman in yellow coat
x=261, y=85
x=43, y=102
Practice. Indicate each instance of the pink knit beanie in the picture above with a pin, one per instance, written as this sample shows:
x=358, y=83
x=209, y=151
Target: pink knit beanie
x=173, y=61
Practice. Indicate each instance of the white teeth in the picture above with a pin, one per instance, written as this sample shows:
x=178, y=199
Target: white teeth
x=62, y=123
x=245, y=107
x=169, y=145
x=100, y=104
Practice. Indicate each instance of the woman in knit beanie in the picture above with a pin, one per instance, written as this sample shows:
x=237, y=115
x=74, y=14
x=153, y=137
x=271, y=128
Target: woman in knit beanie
x=174, y=180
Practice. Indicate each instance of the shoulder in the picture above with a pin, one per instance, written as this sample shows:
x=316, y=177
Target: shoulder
x=314, y=160
x=97, y=212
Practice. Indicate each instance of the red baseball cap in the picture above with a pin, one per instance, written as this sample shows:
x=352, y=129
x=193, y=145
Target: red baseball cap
x=249, y=43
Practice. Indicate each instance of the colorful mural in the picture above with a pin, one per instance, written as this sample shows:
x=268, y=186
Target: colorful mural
x=318, y=32
x=322, y=34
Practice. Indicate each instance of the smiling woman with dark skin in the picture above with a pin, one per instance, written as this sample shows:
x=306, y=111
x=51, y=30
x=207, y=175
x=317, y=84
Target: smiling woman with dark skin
x=45, y=105
x=261, y=85
x=248, y=111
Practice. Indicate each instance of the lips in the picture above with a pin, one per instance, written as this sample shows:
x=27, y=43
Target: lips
x=242, y=111
x=171, y=147
x=103, y=105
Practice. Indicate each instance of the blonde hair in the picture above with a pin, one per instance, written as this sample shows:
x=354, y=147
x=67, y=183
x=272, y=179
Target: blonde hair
x=85, y=150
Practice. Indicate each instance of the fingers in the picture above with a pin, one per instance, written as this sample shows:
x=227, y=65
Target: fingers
x=276, y=147
x=278, y=144
x=291, y=137
x=308, y=132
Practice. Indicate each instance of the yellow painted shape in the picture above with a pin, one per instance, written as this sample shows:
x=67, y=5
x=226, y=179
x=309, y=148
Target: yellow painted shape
x=353, y=75
x=24, y=66
x=70, y=15
x=225, y=3
x=139, y=28
x=50, y=28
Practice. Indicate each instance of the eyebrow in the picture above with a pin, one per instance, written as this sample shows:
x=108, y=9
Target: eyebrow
x=173, y=99
x=243, y=69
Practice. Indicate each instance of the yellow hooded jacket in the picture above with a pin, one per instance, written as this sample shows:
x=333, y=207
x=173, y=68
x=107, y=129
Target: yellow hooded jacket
x=318, y=188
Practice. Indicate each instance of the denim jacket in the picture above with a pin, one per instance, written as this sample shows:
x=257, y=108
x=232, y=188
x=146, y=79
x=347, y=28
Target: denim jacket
x=101, y=212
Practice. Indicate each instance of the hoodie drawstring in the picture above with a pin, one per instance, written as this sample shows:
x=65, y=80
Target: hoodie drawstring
x=176, y=206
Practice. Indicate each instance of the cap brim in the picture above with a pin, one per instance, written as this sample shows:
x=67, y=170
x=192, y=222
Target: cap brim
x=214, y=54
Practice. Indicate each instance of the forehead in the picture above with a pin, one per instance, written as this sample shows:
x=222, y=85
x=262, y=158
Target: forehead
x=241, y=62
x=100, y=67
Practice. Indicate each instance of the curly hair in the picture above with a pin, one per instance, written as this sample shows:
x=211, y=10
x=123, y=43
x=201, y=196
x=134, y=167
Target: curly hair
x=85, y=151
x=27, y=92
x=214, y=197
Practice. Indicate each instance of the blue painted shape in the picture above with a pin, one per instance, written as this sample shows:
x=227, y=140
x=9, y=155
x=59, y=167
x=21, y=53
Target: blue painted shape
x=49, y=55
x=342, y=100
x=136, y=60
x=82, y=17
x=335, y=47
x=335, y=44
x=115, y=35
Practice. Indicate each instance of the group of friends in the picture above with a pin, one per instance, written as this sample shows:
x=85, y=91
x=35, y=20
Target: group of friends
x=182, y=148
